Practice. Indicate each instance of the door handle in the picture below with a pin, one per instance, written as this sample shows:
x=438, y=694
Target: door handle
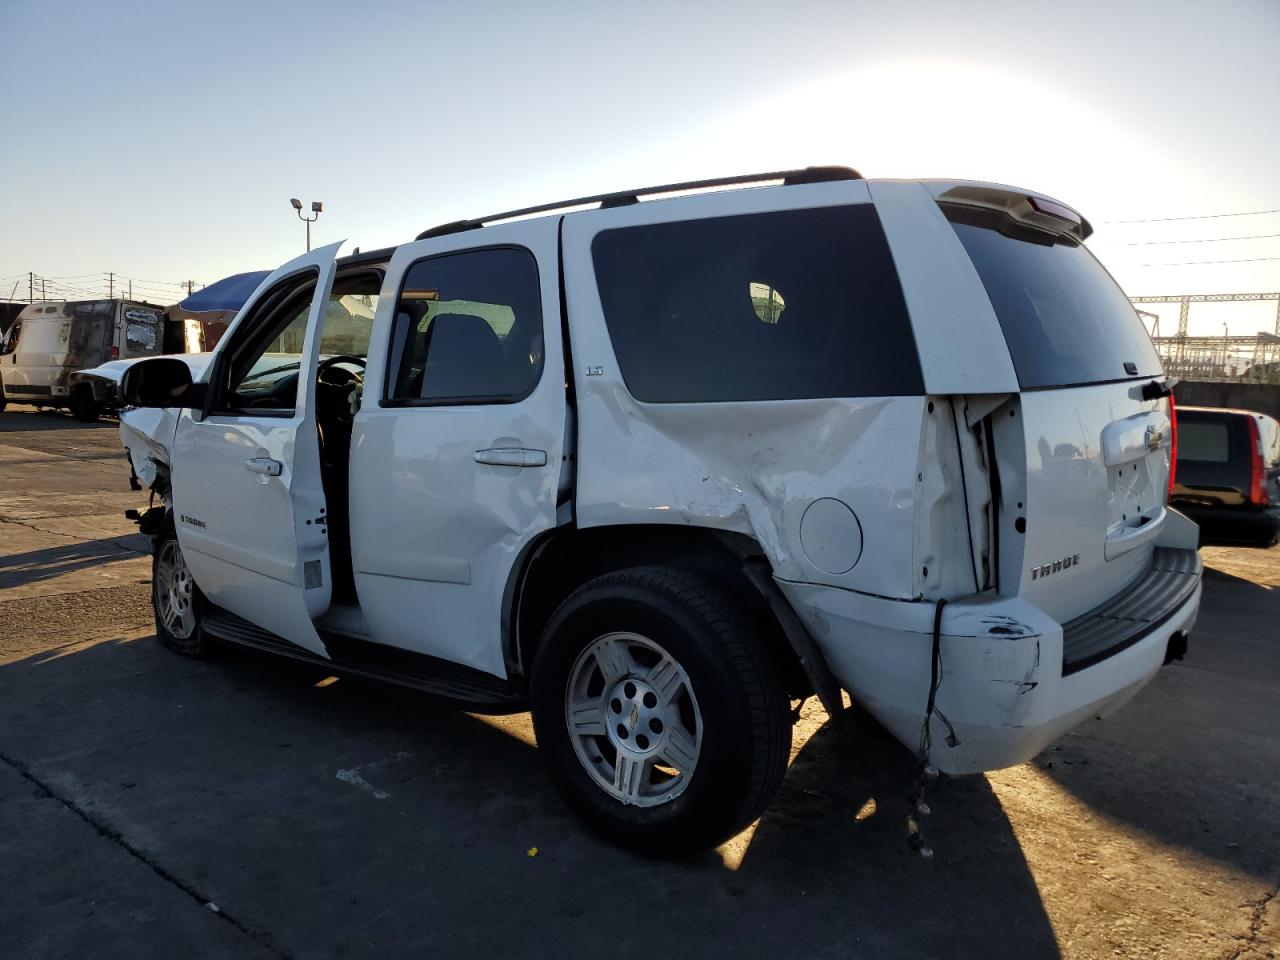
x=512, y=457
x=264, y=466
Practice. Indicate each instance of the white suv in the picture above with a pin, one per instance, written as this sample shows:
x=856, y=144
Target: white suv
x=658, y=468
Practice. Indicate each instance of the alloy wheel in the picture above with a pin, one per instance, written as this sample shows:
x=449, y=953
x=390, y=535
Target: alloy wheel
x=633, y=719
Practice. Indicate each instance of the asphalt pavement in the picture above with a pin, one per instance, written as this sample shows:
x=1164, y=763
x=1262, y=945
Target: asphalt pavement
x=152, y=806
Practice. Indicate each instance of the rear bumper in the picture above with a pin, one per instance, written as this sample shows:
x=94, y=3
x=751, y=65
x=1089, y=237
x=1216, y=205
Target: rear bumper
x=1005, y=688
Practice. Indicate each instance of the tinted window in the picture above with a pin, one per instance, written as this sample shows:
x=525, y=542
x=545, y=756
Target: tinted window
x=1065, y=320
x=468, y=328
x=772, y=306
x=1207, y=441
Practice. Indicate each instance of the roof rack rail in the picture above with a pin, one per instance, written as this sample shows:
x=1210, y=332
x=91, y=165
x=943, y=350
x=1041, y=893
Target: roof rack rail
x=624, y=198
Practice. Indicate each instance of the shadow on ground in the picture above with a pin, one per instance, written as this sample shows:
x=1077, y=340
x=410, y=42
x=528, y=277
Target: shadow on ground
x=353, y=818
x=35, y=566
x=45, y=420
x=1194, y=762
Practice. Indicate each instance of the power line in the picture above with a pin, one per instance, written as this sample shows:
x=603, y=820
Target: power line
x=1157, y=243
x=1195, y=263
x=1203, y=216
x=164, y=283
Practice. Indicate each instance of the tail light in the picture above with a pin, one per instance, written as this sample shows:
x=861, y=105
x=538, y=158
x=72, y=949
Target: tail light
x=115, y=353
x=1173, y=445
x=1257, y=476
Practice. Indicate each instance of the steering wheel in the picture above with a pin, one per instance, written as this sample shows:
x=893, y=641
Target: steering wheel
x=351, y=358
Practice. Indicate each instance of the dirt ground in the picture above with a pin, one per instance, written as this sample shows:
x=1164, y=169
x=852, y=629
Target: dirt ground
x=246, y=807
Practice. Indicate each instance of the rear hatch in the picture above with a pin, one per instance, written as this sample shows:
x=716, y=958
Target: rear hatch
x=1084, y=448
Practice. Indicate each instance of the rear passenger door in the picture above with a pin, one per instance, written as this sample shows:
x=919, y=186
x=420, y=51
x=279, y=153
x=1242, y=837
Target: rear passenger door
x=458, y=448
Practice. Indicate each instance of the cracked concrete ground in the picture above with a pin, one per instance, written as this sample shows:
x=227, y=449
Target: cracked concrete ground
x=158, y=807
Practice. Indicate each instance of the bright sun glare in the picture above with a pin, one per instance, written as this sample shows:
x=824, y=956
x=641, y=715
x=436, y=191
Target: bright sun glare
x=953, y=119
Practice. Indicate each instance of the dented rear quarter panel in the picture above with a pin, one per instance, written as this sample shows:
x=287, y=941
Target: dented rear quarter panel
x=750, y=467
x=755, y=467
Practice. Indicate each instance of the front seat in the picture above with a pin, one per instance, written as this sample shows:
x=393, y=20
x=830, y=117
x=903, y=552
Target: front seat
x=464, y=359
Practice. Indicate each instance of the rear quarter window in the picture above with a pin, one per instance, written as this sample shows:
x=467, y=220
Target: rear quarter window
x=1065, y=320
x=786, y=305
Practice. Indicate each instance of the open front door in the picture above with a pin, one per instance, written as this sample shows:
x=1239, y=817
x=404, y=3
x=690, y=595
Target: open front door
x=247, y=497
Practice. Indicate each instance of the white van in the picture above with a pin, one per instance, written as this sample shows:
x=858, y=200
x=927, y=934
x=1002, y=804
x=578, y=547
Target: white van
x=49, y=342
x=657, y=469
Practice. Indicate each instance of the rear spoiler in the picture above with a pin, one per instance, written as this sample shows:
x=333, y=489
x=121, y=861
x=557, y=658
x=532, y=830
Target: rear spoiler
x=1040, y=213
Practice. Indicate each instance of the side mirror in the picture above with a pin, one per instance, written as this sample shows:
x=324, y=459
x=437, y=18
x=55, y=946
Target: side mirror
x=161, y=382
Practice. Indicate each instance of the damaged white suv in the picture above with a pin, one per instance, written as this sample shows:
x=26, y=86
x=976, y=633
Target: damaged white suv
x=657, y=468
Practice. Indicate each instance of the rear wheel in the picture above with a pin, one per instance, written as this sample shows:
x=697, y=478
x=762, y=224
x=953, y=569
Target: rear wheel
x=178, y=603
x=658, y=713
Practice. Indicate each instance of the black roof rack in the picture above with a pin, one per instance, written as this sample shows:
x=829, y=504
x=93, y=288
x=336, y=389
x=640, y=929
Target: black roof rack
x=626, y=197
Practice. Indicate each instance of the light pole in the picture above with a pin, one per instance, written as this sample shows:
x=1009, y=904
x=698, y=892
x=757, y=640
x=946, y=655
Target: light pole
x=316, y=208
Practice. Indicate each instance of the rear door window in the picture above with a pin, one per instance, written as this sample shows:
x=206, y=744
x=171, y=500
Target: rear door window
x=1065, y=320
x=785, y=305
x=468, y=329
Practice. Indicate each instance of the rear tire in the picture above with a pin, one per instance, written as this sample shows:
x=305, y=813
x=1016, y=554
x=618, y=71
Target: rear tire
x=680, y=733
x=178, y=603
x=85, y=406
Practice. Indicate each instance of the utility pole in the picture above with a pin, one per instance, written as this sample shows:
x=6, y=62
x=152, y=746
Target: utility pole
x=42, y=296
x=190, y=285
x=131, y=288
x=111, y=286
x=31, y=287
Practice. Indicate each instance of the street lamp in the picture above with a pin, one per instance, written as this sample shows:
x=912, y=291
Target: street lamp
x=316, y=208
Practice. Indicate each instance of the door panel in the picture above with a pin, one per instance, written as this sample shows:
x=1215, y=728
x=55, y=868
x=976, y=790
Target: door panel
x=440, y=514
x=248, y=502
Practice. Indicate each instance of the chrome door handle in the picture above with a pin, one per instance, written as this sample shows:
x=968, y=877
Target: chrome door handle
x=264, y=466
x=512, y=457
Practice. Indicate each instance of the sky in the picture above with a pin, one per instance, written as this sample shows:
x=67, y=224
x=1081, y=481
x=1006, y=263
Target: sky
x=162, y=141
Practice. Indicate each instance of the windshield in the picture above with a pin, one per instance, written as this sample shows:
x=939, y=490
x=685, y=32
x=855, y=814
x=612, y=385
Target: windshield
x=1065, y=320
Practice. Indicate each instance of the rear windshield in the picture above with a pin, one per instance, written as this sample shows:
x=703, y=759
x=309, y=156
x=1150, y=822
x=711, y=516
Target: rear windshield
x=1065, y=320
x=1205, y=441
x=773, y=306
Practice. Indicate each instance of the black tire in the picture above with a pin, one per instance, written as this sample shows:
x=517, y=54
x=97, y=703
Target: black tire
x=743, y=713
x=196, y=643
x=84, y=405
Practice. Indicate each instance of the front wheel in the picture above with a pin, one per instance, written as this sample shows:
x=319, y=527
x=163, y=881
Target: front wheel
x=178, y=603
x=658, y=712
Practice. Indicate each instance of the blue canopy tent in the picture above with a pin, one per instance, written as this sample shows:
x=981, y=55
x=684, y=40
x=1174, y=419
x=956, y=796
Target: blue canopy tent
x=198, y=322
x=227, y=295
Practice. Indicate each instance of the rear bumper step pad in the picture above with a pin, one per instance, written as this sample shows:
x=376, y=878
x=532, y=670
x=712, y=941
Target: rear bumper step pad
x=1129, y=616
